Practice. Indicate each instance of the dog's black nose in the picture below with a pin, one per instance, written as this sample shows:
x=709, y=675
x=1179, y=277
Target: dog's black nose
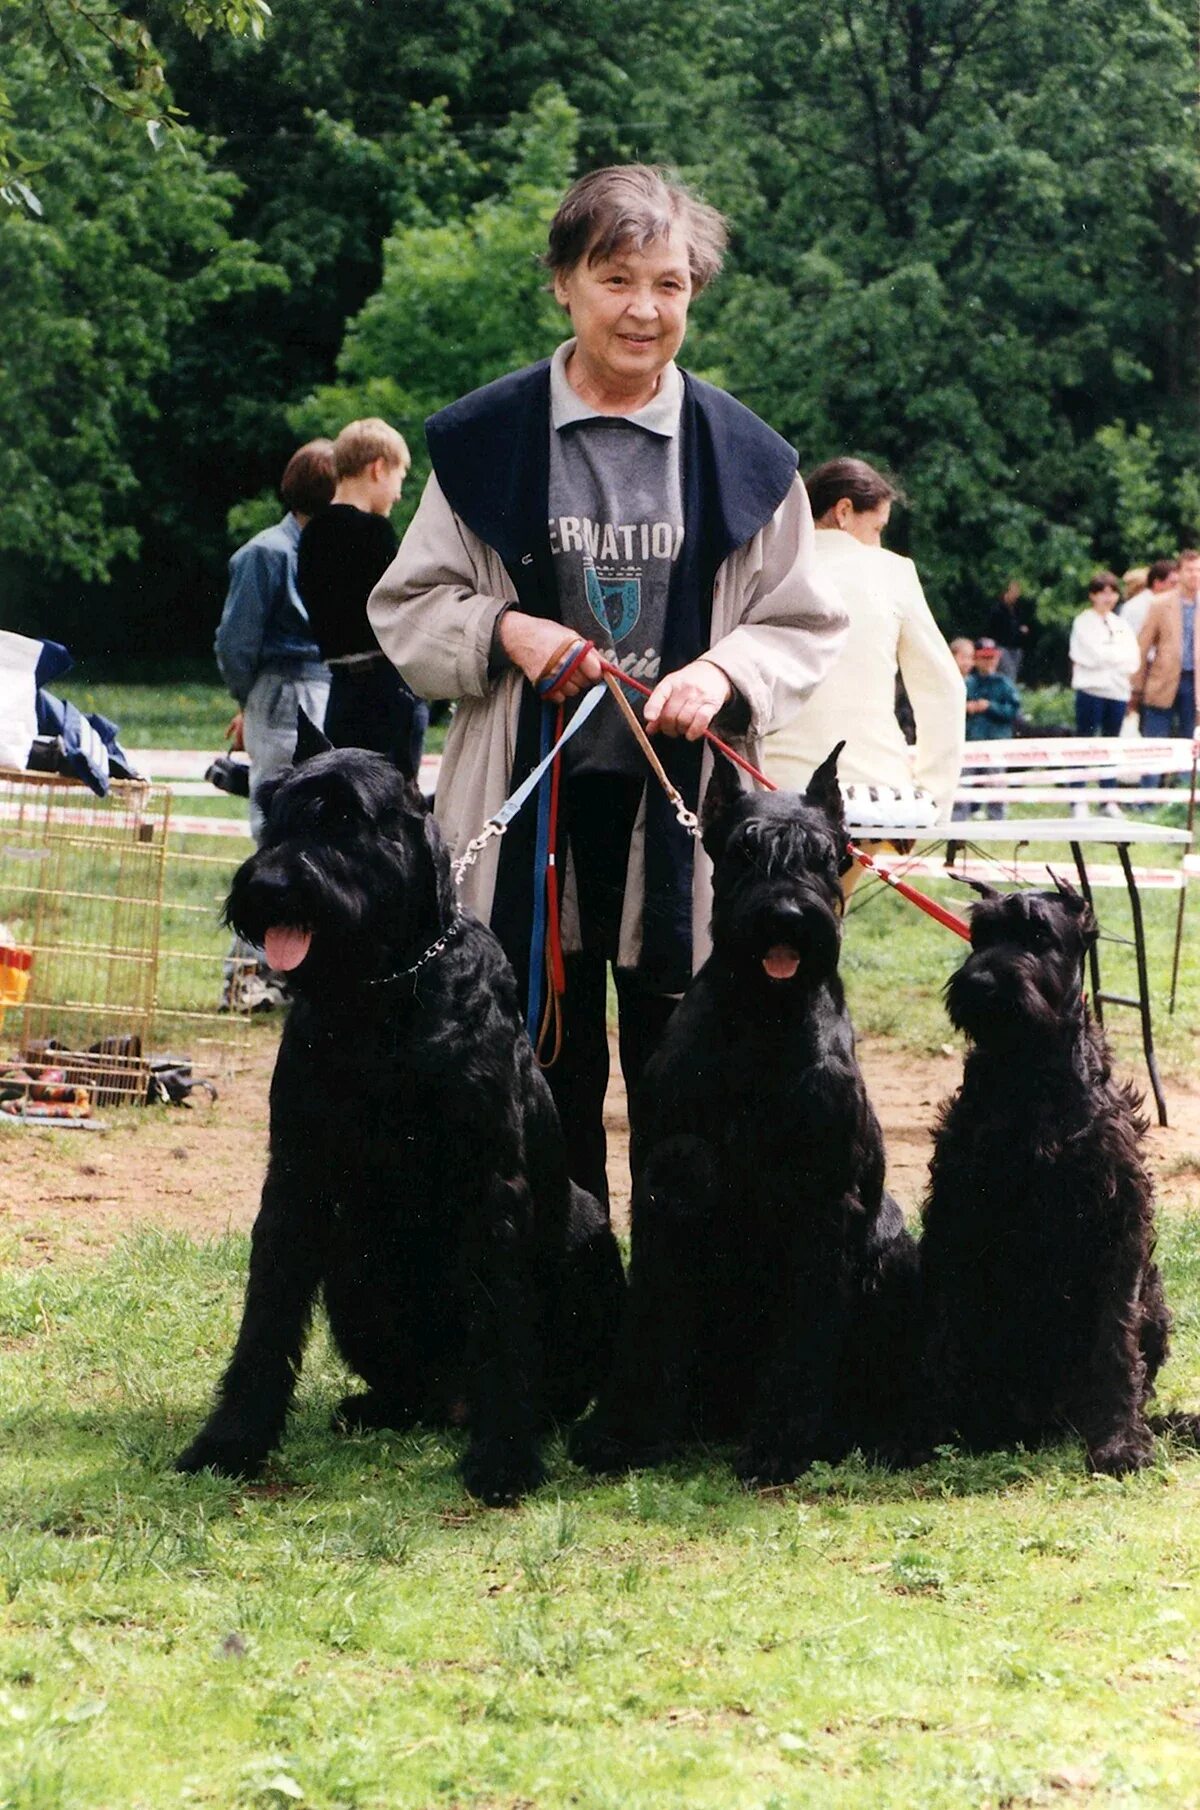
x=269, y=884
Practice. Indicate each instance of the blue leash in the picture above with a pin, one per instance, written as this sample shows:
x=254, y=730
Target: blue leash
x=541, y=855
x=499, y=821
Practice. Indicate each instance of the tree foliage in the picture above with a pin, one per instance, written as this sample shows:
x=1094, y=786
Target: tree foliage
x=965, y=245
x=972, y=251
x=105, y=53
x=130, y=254
x=460, y=302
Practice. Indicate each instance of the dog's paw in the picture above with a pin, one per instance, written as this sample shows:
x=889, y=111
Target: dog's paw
x=499, y=1472
x=227, y=1457
x=1123, y=1453
x=369, y=1411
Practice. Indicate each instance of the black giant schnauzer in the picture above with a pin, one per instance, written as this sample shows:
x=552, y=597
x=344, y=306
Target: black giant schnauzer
x=771, y=1283
x=417, y=1174
x=1044, y=1310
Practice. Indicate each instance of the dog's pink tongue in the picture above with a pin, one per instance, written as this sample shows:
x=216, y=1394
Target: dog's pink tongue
x=781, y=962
x=286, y=947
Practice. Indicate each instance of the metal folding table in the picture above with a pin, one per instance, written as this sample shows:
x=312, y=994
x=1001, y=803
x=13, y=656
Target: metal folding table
x=1078, y=834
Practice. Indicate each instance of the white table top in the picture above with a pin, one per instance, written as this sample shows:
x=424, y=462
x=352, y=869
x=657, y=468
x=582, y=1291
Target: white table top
x=1029, y=829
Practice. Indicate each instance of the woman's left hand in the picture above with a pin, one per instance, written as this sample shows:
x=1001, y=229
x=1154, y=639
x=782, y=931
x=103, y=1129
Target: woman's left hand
x=685, y=702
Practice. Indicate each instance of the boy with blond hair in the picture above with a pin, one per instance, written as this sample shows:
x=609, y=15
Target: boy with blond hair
x=344, y=551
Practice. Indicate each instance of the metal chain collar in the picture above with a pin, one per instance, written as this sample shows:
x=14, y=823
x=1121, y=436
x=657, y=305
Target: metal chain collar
x=453, y=930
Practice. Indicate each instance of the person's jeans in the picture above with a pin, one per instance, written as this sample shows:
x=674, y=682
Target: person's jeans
x=1160, y=722
x=599, y=811
x=269, y=726
x=269, y=735
x=1099, y=716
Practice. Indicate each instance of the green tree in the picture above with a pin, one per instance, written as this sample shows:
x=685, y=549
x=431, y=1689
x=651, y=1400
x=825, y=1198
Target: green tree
x=968, y=248
x=130, y=254
x=105, y=54
x=461, y=302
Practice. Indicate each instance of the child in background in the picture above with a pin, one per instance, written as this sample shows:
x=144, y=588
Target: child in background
x=993, y=702
x=344, y=552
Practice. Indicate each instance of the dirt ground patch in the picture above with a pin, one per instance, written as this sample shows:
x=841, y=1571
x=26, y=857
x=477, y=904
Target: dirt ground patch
x=199, y=1169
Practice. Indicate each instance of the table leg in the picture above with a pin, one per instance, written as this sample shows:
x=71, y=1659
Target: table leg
x=1085, y=887
x=1139, y=945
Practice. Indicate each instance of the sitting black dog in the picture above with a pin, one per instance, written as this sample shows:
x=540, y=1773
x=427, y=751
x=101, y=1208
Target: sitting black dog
x=772, y=1278
x=417, y=1174
x=1043, y=1308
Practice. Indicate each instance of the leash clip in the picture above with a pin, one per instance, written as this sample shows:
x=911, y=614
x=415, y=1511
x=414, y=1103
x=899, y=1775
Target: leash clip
x=475, y=848
x=686, y=818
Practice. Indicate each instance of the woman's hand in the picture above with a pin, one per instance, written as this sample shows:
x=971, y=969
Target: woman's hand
x=537, y=647
x=685, y=702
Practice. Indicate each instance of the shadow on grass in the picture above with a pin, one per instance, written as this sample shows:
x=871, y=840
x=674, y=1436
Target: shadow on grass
x=374, y=1497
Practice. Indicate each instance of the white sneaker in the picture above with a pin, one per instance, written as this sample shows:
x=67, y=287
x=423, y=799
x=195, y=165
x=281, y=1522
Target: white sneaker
x=1112, y=809
x=1079, y=809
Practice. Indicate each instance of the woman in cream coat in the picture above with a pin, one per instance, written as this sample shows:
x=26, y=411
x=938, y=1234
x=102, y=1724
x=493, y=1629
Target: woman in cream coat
x=891, y=627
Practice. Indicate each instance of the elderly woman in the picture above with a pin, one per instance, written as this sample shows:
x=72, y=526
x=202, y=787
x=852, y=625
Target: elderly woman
x=891, y=628
x=605, y=495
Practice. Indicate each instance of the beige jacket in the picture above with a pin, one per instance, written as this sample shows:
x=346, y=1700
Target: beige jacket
x=776, y=631
x=891, y=626
x=1160, y=642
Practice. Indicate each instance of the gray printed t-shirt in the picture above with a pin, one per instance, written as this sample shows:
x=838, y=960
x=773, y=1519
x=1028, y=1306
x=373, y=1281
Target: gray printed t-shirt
x=616, y=529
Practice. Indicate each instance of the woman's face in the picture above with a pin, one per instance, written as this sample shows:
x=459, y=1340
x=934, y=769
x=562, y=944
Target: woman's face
x=1106, y=600
x=629, y=311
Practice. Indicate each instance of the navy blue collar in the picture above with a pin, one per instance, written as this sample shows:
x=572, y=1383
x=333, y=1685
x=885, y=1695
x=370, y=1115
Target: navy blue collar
x=491, y=453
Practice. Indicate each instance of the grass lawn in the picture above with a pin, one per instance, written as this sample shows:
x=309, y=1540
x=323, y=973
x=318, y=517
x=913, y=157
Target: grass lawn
x=354, y=1634
x=192, y=711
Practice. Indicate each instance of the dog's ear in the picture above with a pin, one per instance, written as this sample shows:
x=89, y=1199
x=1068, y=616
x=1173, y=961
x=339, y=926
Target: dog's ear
x=1069, y=894
x=980, y=886
x=824, y=791
x=1078, y=906
x=309, y=739
x=264, y=793
x=724, y=790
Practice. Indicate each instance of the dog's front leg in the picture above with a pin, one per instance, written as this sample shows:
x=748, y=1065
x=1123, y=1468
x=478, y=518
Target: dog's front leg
x=504, y=1357
x=257, y=1388
x=645, y=1409
x=789, y=1426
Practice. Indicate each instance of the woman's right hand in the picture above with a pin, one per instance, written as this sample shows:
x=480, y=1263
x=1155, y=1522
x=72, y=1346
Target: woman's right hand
x=537, y=647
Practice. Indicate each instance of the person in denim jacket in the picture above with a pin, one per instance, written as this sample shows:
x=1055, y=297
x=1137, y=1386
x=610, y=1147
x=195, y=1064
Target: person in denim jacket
x=265, y=649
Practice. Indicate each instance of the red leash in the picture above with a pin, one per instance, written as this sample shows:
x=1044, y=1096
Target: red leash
x=921, y=900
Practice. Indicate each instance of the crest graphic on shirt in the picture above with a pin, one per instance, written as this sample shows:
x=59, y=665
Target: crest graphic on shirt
x=616, y=603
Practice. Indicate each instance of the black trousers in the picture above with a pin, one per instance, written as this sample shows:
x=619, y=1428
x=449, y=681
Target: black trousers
x=370, y=706
x=597, y=814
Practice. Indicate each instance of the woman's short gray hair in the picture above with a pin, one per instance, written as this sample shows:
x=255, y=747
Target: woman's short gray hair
x=634, y=204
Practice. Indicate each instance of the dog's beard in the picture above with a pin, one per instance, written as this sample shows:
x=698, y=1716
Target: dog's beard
x=1002, y=1004
x=792, y=943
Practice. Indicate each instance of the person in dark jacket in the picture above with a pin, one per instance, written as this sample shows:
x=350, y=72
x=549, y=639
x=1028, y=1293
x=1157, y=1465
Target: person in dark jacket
x=1013, y=626
x=344, y=551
